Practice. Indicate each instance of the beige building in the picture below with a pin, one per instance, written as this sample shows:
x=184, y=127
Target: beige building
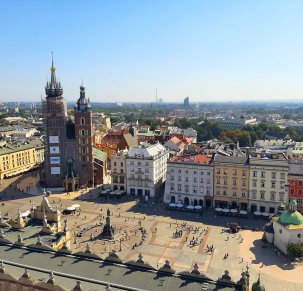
x=16, y=158
x=268, y=178
x=231, y=182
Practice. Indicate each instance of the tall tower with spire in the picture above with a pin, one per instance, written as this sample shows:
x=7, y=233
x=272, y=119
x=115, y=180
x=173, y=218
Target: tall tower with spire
x=84, y=138
x=54, y=110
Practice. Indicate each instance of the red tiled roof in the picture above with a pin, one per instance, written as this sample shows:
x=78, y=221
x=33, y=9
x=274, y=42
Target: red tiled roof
x=199, y=159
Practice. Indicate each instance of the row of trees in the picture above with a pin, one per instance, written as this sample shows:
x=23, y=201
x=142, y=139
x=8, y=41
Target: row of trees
x=246, y=137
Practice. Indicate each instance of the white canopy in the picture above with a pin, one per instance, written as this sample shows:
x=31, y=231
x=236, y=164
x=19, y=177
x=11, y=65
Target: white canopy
x=190, y=207
x=172, y=204
x=243, y=212
x=265, y=214
x=218, y=209
x=257, y=213
x=71, y=208
x=233, y=210
x=225, y=210
x=76, y=205
x=179, y=205
x=198, y=207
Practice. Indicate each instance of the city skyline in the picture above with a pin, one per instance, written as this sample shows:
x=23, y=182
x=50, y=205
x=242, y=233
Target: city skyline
x=124, y=50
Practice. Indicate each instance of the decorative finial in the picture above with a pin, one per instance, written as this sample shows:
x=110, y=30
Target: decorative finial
x=51, y=279
x=2, y=267
x=25, y=274
x=52, y=60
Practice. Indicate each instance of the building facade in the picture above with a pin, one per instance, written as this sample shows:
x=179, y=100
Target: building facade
x=146, y=170
x=295, y=182
x=69, y=160
x=118, y=170
x=267, y=185
x=17, y=158
x=189, y=180
x=231, y=182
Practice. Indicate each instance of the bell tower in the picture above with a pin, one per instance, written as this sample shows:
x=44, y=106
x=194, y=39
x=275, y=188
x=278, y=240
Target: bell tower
x=54, y=111
x=84, y=139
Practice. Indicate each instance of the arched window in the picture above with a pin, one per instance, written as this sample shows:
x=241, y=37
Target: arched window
x=82, y=132
x=82, y=120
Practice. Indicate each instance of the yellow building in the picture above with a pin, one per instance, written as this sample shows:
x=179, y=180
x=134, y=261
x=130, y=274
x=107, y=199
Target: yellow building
x=231, y=182
x=16, y=158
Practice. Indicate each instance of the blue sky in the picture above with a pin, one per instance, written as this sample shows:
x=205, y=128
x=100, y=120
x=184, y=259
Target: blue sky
x=125, y=49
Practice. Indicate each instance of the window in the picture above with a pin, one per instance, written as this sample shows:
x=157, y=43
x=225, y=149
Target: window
x=292, y=182
x=234, y=193
x=172, y=187
x=300, y=183
x=195, y=180
x=281, y=197
x=263, y=174
x=262, y=195
x=208, y=173
x=273, y=175
x=82, y=120
x=225, y=181
x=282, y=175
x=179, y=171
x=121, y=164
x=139, y=163
x=292, y=191
x=224, y=192
x=262, y=184
x=195, y=172
x=179, y=187
x=201, y=180
x=243, y=194
x=202, y=173
x=243, y=173
x=195, y=189
x=172, y=178
x=243, y=183
x=234, y=182
x=218, y=192
x=186, y=187
x=179, y=178
x=254, y=195
x=218, y=171
x=132, y=163
x=225, y=171
x=172, y=170
x=186, y=179
x=300, y=192
x=121, y=171
x=272, y=197
x=254, y=173
x=132, y=191
x=115, y=164
x=235, y=172
x=218, y=180
x=282, y=185
x=254, y=183
x=273, y=185
x=186, y=171
x=82, y=132
x=208, y=181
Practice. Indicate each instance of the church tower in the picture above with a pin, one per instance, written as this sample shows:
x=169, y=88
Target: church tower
x=54, y=111
x=84, y=139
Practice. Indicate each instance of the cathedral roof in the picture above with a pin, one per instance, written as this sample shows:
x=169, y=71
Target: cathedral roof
x=291, y=218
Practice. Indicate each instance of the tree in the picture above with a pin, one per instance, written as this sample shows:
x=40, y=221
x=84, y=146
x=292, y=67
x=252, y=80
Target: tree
x=295, y=250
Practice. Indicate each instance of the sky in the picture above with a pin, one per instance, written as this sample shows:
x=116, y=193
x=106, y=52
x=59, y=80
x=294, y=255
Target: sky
x=123, y=50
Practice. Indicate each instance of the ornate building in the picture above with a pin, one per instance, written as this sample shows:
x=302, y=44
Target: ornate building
x=69, y=150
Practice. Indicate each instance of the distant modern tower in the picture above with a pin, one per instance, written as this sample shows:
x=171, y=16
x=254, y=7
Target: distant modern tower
x=186, y=101
x=69, y=141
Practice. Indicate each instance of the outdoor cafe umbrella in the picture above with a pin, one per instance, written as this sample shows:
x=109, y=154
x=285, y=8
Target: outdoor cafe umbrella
x=233, y=210
x=172, y=204
x=243, y=212
x=225, y=210
x=257, y=213
x=198, y=207
x=179, y=205
x=265, y=214
x=218, y=209
x=190, y=207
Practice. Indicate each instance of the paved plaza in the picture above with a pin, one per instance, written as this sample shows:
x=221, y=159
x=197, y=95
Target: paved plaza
x=182, y=238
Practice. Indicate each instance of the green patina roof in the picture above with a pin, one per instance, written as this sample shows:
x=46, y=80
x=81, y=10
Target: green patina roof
x=98, y=154
x=291, y=217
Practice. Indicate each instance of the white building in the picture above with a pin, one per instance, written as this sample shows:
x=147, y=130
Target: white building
x=118, y=170
x=268, y=178
x=286, y=229
x=237, y=123
x=190, y=180
x=146, y=169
